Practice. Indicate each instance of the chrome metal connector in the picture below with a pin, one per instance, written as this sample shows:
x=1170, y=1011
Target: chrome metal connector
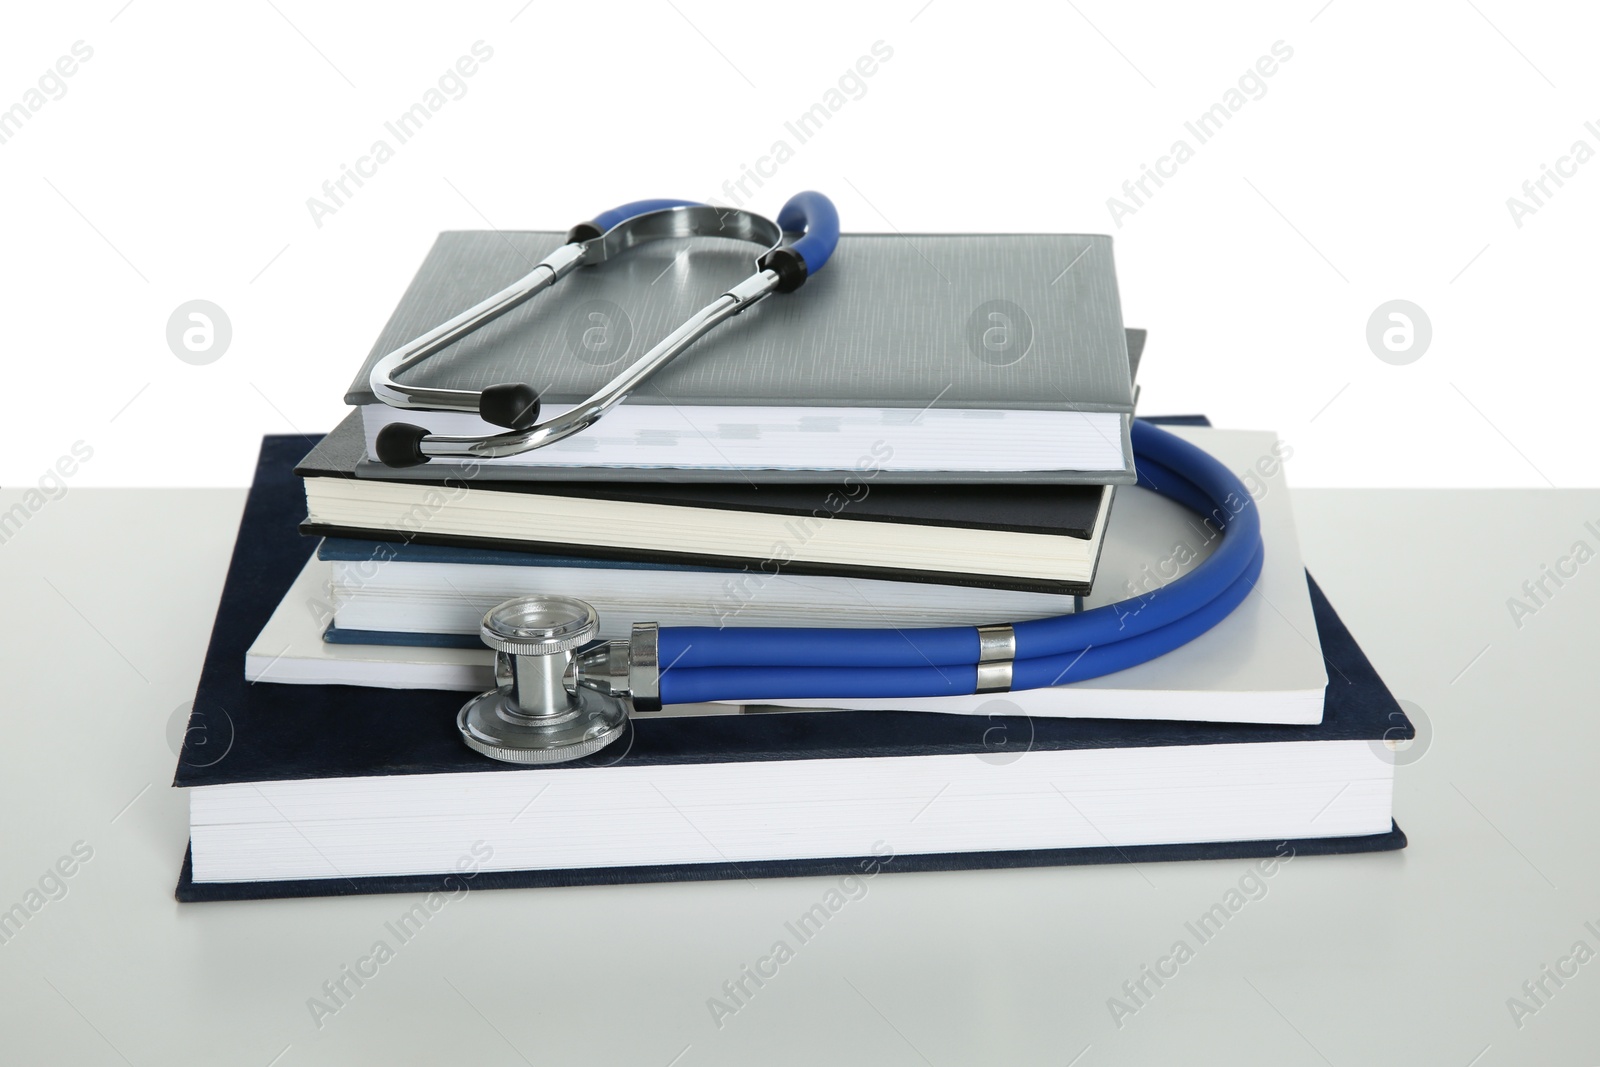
x=997, y=650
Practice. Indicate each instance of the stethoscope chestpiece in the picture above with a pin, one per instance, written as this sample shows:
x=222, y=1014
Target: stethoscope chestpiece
x=541, y=712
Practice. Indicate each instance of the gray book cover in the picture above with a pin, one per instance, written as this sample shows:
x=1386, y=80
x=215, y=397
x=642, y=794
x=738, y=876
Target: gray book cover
x=999, y=322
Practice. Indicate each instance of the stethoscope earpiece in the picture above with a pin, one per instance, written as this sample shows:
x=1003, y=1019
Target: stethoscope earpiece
x=399, y=444
x=513, y=405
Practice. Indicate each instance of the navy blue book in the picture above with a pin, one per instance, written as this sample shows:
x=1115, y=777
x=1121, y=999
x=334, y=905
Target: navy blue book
x=316, y=790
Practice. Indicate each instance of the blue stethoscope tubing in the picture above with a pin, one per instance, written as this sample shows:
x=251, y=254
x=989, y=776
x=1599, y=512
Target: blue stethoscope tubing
x=700, y=663
x=813, y=214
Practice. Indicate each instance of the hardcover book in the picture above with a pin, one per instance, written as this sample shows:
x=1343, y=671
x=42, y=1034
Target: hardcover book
x=943, y=358
x=1037, y=538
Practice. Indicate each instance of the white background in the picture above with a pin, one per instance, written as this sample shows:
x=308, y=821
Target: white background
x=1377, y=166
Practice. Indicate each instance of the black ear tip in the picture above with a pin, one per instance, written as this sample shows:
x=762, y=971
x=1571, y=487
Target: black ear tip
x=513, y=406
x=788, y=265
x=399, y=444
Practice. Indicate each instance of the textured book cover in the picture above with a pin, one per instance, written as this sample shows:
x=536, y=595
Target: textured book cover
x=892, y=321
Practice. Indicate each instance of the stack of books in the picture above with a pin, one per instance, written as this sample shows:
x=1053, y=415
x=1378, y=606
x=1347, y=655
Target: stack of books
x=933, y=431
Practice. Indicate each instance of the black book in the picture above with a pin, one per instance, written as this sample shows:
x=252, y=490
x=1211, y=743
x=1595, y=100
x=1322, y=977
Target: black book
x=1037, y=538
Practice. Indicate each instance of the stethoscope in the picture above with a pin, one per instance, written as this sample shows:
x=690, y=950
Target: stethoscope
x=562, y=695
x=781, y=268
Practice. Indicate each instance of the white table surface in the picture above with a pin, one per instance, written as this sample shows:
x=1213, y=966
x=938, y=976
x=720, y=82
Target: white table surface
x=1406, y=957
